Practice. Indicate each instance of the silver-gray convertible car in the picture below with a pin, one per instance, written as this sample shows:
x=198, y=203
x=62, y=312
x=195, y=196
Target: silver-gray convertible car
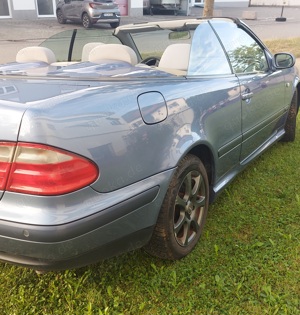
x=125, y=144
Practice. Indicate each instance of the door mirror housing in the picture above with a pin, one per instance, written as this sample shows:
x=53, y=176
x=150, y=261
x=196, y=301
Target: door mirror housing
x=284, y=60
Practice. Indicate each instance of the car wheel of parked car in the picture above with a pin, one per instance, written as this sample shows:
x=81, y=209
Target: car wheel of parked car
x=86, y=21
x=114, y=24
x=290, y=125
x=183, y=213
x=60, y=17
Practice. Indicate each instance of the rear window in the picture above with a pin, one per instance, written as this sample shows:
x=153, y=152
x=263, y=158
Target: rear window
x=61, y=43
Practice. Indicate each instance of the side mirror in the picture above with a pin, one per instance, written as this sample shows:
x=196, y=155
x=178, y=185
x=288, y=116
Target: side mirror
x=284, y=60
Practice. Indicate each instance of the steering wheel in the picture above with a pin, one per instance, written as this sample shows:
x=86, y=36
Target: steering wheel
x=151, y=61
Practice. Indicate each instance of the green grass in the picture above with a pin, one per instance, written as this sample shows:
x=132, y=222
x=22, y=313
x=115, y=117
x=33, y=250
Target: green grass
x=291, y=45
x=246, y=263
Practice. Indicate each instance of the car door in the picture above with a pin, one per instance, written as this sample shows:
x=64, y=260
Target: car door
x=67, y=9
x=77, y=8
x=262, y=89
x=217, y=99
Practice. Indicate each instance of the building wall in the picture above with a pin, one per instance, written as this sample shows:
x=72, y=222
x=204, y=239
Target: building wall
x=28, y=9
x=135, y=8
x=275, y=2
x=231, y=3
x=33, y=9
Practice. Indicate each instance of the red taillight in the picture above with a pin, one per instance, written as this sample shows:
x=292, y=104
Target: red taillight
x=6, y=154
x=95, y=5
x=43, y=170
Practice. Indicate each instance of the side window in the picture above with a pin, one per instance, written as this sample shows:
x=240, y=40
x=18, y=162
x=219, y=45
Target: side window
x=207, y=56
x=245, y=54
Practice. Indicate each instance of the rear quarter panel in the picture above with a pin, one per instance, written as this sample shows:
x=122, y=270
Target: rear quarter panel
x=104, y=123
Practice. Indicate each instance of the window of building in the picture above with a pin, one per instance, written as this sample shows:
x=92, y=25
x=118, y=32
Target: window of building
x=46, y=7
x=4, y=9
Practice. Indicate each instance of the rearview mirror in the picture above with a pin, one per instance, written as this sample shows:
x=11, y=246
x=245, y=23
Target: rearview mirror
x=284, y=60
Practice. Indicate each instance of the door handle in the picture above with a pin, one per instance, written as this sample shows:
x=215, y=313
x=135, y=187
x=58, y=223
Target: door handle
x=247, y=96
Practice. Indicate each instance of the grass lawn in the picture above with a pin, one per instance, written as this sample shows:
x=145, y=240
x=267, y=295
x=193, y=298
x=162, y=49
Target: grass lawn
x=247, y=261
x=291, y=45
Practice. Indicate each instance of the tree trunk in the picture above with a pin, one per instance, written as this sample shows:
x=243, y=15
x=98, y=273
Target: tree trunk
x=208, y=8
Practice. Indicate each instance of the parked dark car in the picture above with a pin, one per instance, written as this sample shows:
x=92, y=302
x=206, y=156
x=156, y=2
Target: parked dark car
x=88, y=12
x=126, y=147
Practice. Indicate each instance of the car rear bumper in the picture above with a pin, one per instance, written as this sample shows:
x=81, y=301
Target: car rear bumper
x=120, y=228
x=107, y=20
x=105, y=16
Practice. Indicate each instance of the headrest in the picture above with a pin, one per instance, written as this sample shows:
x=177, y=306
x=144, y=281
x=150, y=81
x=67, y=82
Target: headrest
x=87, y=48
x=113, y=52
x=36, y=53
x=176, y=56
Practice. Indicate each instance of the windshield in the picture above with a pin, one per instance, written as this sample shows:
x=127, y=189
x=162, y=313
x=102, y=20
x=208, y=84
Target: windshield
x=153, y=43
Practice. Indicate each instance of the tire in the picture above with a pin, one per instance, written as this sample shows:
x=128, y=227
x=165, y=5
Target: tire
x=86, y=21
x=114, y=24
x=60, y=17
x=290, y=124
x=183, y=213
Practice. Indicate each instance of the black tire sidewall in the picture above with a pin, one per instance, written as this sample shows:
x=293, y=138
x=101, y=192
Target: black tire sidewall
x=60, y=18
x=291, y=121
x=90, y=22
x=188, y=164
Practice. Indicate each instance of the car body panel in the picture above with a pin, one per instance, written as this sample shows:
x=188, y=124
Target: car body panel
x=136, y=123
x=128, y=139
x=78, y=205
x=260, y=116
x=70, y=11
x=259, y=90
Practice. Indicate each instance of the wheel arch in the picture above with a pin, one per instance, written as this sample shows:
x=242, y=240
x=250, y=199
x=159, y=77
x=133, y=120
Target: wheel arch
x=204, y=153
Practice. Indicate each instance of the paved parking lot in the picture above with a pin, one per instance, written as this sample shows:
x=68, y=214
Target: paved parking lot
x=16, y=34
